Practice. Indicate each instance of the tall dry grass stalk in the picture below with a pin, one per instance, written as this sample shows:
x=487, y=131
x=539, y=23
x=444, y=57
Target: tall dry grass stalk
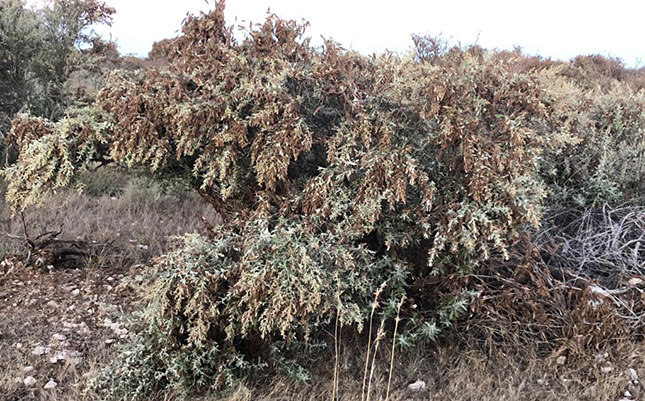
x=334, y=390
x=369, y=338
x=396, y=327
x=380, y=334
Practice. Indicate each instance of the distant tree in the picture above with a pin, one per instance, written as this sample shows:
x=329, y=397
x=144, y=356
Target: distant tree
x=40, y=49
x=20, y=35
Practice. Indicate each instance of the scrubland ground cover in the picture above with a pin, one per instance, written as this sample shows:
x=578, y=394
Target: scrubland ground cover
x=280, y=221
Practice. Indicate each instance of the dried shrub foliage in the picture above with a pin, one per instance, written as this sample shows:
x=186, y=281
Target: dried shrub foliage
x=334, y=173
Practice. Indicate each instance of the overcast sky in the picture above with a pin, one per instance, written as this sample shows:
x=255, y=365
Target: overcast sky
x=559, y=29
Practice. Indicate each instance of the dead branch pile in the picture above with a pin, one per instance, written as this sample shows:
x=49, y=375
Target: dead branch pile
x=46, y=250
x=578, y=285
x=603, y=243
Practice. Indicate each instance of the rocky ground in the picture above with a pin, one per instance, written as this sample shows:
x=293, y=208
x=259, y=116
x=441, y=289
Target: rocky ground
x=56, y=328
x=59, y=327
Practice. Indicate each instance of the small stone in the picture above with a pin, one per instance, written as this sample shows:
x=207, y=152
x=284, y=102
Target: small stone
x=417, y=385
x=110, y=341
x=632, y=374
x=27, y=368
x=540, y=382
x=561, y=360
x=83, y=328
x=634, y=281
x=29, y=381
x=601, y=357
x=606, y=369
x=39, y=350
x=75, y=292
x=627, y=394
x=59, y=337
x=50, y=384
x=121, y=332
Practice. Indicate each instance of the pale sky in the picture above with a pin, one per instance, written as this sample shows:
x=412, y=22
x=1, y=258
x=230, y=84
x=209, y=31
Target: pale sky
x=558, y=29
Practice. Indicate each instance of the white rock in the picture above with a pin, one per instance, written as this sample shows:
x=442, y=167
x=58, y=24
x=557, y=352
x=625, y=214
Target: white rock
x=417, y=385
x=110, y=341
x=39, y=350
x=75, y=292
x=59, y=337
x=634, y=281
x=561, y=360
x=50, y=384
x=601, y=357
x=627, y=394
x=606, y=369
x=83, y=328
x=27, y=368
x=541, y=382
x=632, y=374
x=122, y=333
x=598, y=290
x=29, y=381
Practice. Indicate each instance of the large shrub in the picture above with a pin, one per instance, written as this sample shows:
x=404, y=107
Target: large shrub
x=334, y=173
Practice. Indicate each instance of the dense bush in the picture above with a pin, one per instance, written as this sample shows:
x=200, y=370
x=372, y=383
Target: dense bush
x=335, y=173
